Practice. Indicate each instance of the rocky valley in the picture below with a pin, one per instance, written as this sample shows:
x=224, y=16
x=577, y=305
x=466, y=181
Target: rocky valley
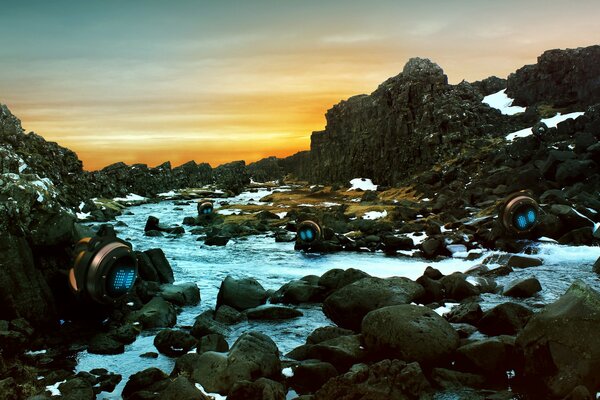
x=414, y=291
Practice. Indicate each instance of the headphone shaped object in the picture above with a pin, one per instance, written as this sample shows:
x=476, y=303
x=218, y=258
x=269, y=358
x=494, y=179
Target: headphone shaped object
x=205, y=208
x=104, y=268
x=519, y=213
x=308, y=232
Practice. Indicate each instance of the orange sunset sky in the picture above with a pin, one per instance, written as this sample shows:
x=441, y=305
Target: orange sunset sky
x=150, y=81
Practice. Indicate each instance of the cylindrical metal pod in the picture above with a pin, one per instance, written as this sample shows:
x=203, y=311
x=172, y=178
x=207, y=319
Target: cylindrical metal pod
x=205, y=208
x=104, y=269
x=520, y=214
x=308, y=232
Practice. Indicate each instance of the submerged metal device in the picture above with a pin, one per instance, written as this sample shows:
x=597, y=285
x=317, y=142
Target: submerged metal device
x=520, y=213
x=104, y=268
x=308, y=232
x=205, y=208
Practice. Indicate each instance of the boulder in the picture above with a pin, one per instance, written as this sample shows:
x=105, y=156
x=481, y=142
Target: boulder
x=299, y=292
x=504, y=319
x=450, y=379
x=241, y=294
x=183, y=294
x=338, y=278
x=516, y=261
x=161, y=265
x=174, y=343
x=560, y=344
x=348, y=305
x=490, y=357
x=457, y=288
x=205, y=325
x=212, y=342
x=158, y=313
x=229, y=315
x=105, y=344
x=466, y=313
x=261, y=389
x=217, y=240
x=252, y=356
x=149, y=380
x=525, y=287
x=342, y=352
x=409, y=333
x=181, y=388
x=310, y=375
x=272, y=312
x=77, y=389
x=387, y=379
x=327, y=332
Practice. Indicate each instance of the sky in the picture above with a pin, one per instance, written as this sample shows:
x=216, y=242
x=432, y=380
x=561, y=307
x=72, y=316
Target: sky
x=217, y=81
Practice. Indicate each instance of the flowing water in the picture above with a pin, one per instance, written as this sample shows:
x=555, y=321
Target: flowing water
x=274, y=264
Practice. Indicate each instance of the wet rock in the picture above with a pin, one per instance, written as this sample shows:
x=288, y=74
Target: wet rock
x=433, y=247
x=311, y=375
x=161, y=265
x=241, y=294
x=409, y=333
x=271, y=312
x=252, y=356
x=150, y=380
x=299, y=292
x=596, y=266
x=560, y=345
x=392, y=243
x=261, y=389
x=105, y=344
x=523, y=262
x=466, y=313
x=229, y=315
x=205, y=325
x=457, y=288
x=77, y=389
x=217, y=240
x=450, y=379
x=348, y=305
x=383, y=380
x=174, y=343
x=181, y=388
x=504, y=319
x=490, y=357
x=338, y=278
x=525, y=287
x=212, y=342
x=342, y=352
x=326, y=333
x=158, y=313
x=183, y=294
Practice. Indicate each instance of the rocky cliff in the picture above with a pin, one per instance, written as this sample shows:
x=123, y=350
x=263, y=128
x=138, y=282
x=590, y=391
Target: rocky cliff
x=410, y=122
x=561, y=78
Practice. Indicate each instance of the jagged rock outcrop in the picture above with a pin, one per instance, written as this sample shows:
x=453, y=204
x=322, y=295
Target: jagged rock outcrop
x=560, y=78
x=232, y=176
x=265, y=170
x=411, y=121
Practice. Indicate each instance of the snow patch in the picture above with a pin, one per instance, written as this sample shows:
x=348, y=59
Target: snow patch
x=287, y=372
x=550, y=122
x=281, y=214
x=130, y=197
x=167, y=194
x=375, y=214
x=35, y=353
x=215, y=396
x=500, y=101
x=82, y=216
x=417, y=238
x=362, y=183
x=53, y=389
x=445, y=308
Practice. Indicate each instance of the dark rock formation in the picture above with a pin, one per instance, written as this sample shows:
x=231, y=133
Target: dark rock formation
x=560, y=344
x=560, y=78
x=411, y=121
x=232, y=176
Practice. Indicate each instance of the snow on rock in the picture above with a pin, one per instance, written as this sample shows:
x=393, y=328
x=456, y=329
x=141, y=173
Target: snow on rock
x=550, y=122
x=287, y=372
x=229, y=211
x=131, y=197
x=281, y=214
x=503, y=103
x=375, y=214
x=83, y=216
x=167, y=194
x=362, y=184
x=215, y=396
x=53, y=389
